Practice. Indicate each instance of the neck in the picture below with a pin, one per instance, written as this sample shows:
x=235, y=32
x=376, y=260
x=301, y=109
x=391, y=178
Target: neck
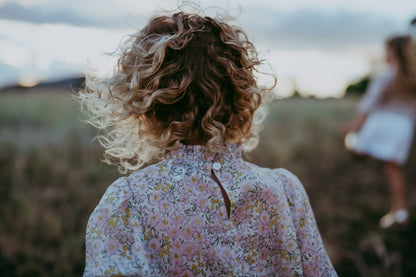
x=193, y=142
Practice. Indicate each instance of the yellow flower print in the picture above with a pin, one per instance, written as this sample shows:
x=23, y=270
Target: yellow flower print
x=158, y=187
x=166, y=188
x=112, y=222
x=126, y=222
x=176, y=256
x=128, y=214
x=110, y=270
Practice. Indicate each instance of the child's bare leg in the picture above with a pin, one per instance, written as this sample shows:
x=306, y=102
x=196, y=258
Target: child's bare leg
x=397, y=185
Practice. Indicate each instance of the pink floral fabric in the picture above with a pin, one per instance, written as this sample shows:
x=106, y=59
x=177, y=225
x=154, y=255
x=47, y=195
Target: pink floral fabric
x=170, y=219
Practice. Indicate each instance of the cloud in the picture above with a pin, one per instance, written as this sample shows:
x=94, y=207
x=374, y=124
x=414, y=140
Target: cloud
x=9, y=74
x=318, y=29
x=297, y=28
x=53, y=50
x=57, y=14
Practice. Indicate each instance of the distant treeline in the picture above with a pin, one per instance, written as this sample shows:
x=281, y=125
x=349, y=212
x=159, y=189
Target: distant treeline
x=358, y=87
x=72, y=83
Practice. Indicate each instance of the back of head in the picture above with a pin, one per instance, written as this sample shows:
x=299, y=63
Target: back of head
x=405, y=59
x=183, y=78
x=402, y=47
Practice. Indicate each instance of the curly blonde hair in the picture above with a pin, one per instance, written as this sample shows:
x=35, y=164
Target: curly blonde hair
x=183, y=78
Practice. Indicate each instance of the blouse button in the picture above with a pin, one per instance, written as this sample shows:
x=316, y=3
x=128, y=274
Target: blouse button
x=216, y=166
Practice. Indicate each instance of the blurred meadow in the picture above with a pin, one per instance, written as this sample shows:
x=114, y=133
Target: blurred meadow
x=52, y=177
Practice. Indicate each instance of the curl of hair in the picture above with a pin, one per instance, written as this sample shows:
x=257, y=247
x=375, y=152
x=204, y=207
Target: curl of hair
x=182, y=78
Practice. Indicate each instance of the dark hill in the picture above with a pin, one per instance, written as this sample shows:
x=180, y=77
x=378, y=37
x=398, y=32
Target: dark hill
x=73, y=83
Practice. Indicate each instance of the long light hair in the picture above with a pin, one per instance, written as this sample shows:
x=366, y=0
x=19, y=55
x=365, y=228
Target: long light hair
x=182, y=78
x=404, y=81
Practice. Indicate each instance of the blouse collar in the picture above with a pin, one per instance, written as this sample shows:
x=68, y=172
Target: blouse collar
x=201, y=153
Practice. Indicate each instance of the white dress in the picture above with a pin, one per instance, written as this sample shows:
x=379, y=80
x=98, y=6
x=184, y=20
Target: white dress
x=388, y=130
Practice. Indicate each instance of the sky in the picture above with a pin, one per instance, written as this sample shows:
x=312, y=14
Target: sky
x=317, y=47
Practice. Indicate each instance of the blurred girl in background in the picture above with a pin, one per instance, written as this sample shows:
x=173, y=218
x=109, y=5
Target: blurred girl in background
x=384, y=126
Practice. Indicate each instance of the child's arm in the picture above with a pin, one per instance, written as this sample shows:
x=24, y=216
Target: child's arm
x=110, y=244
x=353, y=125
x=315, y=261
x=375, y=91
x=369, y=101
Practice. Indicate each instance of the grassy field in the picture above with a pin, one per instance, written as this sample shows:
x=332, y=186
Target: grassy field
x=52, y=177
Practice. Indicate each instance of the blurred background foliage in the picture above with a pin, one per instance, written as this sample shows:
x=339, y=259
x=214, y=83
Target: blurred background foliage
x=358, y=87
x=52, y=177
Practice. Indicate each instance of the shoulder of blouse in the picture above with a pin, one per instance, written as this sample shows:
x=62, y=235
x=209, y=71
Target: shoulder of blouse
x=126, y=188
x=292, y=186
x=118, y=194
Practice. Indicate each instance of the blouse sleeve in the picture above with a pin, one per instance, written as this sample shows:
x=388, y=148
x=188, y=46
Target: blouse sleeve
x=374, y=92
x=315, y=261
x=110, y=244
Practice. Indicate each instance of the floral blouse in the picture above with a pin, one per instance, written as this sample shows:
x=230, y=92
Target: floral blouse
x=170, y=219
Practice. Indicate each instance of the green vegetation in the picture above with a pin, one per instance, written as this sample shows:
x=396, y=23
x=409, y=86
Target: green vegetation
x=359, y=87
x=52, y=177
